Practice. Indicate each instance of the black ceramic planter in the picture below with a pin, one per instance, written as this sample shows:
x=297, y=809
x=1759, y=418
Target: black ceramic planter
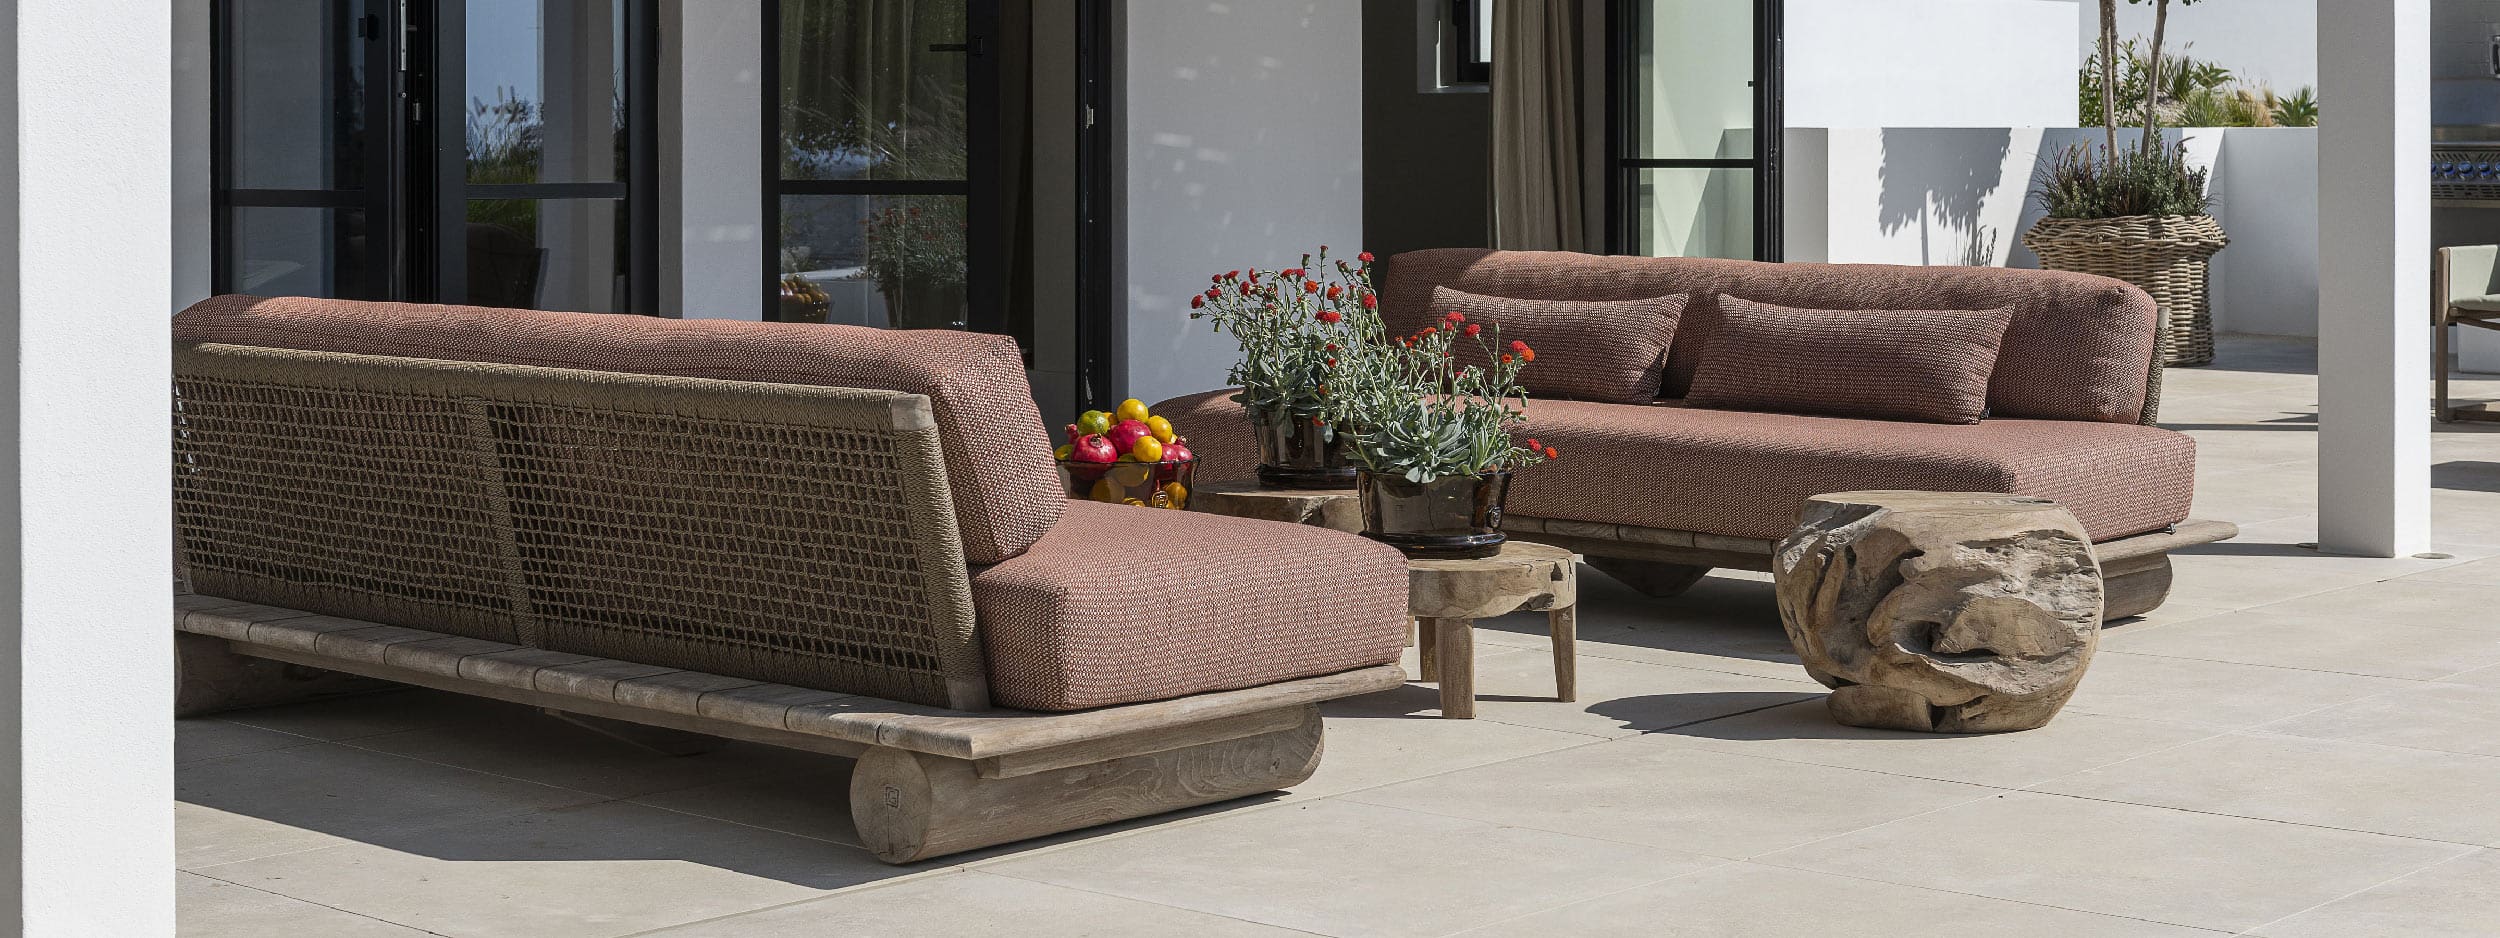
x=1449, y=518
x=1298, y=454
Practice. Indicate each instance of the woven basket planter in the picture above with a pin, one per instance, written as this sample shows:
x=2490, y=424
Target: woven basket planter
x=2167, y=255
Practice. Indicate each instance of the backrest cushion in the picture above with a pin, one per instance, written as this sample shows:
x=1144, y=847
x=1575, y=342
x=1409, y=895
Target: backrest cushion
x=1930, y=366
x=2080, y=347
x=1586, y=350
x=1005, y=490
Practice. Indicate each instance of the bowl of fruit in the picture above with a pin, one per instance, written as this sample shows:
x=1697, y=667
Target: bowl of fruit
x=1127, y=456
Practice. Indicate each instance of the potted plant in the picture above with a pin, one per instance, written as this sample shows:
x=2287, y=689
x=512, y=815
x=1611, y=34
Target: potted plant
x=916, y=256
x=1293, y=326
x=2142, y=216
x=1434, y=434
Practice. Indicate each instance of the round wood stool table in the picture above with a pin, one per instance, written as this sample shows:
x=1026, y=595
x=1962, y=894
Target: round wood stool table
x=1334, y=509
x=1447, y=596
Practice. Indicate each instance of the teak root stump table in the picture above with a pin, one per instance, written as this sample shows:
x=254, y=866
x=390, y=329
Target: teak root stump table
x=1447, y=596
x=1334, y=509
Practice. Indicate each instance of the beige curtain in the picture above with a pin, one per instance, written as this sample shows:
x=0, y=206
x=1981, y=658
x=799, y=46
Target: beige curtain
x=1539, y=197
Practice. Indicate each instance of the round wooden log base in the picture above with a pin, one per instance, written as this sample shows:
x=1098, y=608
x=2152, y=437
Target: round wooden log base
x=1941, y=612
x=1650, y=578
x=911, y=805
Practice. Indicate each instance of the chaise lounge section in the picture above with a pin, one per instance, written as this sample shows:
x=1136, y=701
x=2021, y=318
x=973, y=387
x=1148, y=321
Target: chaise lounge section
x=838, y=539
x=1657, y=492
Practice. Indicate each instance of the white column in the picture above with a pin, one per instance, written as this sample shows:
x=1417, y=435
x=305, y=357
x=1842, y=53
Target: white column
x=86, y=656
x=2374, y=277
x=711, y=166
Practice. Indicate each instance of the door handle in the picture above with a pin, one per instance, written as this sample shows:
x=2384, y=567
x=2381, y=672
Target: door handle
x=968, y=47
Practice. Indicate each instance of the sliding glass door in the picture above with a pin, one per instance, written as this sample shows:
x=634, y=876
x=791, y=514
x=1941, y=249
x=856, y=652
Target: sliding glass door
x=878, y=122
x=304, y=161
x=1695, y=129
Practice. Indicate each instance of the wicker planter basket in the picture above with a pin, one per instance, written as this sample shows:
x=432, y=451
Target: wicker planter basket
x=2167, y=255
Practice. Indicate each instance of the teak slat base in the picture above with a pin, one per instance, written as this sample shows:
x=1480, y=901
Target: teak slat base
x=930, y=781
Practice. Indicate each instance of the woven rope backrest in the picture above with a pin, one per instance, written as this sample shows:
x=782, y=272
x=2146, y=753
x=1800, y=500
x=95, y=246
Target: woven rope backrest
x=785, y=533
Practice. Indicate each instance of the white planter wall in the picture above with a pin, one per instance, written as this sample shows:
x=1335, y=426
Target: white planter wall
x=1930, y=63
x=1951, y=196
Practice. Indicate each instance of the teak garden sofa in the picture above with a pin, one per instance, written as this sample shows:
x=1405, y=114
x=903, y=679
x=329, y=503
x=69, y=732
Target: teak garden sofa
x=838, y=539
x=1657, y=493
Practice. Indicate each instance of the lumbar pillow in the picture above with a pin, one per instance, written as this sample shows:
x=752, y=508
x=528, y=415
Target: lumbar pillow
x=1613, y=351
x=1930, y=366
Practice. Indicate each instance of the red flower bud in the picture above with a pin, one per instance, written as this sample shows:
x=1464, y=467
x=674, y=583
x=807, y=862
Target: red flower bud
x=1198, y=301
x=1532, y=444
x=1472, y=328
x=1428, y=330
x=1310, y=286
x=1506, y=358
x=1456, y=316
x=1552, y=453
x=1330, y=316
x=1245, y=289
x=1335, y=291
x=1518, y=346
x=1370, y=301
x=1365, y=257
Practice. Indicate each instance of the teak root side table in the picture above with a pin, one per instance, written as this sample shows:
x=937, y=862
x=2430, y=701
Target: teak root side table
x=1446, y=597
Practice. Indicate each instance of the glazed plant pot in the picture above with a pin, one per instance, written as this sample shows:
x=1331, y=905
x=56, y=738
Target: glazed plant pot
x=1297, y=454
x=1449, y=518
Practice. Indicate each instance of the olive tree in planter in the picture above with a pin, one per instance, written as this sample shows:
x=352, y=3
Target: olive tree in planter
x=2142, y=216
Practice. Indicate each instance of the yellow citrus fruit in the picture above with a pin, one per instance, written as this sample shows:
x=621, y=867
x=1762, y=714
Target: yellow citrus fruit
x=1108, y=491
x=1134, y=502
x=1064, y=450
x=1133, y=409
x=1178, y=494
x=1093, y=422
x=1148, y=449
x=1161, y=428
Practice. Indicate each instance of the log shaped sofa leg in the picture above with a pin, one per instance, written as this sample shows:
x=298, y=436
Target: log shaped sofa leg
x=912, y=805
x=2134, y=586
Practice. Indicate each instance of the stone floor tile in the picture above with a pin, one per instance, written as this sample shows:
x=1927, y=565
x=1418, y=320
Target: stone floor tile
x=970, y=902
x=211, y=738
x=1648, y=790
x=284, y=800
x=2478, y=677
x=809, y=804
x=533, y=746
x=1747, y=900
x=1336, y=867
x=1805, y=732
x=2459, y=897
x=591, y=872
x=363, y=715
x=2218, y=694
x=2179, y=867
x=213, y=908
x=2449, y=717
x=1616, y=698
x=1370, y=746
x=2382, y=649
x=2431, y=603
x=2328, y=783
x=2255, y=571
x=2486, y=571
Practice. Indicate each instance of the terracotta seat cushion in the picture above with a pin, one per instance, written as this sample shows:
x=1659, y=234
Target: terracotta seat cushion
x=997, y=453
x=1745, y=474
x=1119, y=604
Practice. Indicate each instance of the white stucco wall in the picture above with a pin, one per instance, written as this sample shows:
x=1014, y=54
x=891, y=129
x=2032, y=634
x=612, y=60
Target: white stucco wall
x=1930, y=63
x=1245, y=147
x=86, y=653
x=1947, y=196
x=711, y=161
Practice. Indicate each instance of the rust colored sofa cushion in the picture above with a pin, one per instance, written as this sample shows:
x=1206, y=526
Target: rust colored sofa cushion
x=1744, y=474
x=1586, y=350
x=1930, y=366
x=1120, y=604
x=2080, y=347
x=1005, y=489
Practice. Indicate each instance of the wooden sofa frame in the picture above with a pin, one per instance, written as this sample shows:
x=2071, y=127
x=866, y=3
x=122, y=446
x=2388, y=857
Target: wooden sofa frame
x=937, y=775
x=2135, y=571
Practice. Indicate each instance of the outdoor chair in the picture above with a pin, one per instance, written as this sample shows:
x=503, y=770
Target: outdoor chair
x=2465, y=292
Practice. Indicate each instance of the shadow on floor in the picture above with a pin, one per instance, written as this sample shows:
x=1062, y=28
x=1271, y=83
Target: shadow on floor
x=2465, y=475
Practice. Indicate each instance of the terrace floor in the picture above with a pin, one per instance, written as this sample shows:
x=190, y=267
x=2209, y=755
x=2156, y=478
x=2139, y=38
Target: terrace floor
x=2298, y=745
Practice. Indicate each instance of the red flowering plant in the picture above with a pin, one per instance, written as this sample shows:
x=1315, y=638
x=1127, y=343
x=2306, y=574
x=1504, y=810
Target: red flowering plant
x=1422, y=413
x=1294, y=325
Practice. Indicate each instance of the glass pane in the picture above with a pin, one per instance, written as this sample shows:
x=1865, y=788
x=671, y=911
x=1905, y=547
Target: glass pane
x=1693, y=213
x=546, y=90
x=873, y=260
x=296, y=108
x=299, y=252
x=865, y=96
x=566, y=254
x=1692, y=79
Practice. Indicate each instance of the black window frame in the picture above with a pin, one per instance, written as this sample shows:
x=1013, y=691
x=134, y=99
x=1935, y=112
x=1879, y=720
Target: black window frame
x=1624, y=163
x=1461, y=36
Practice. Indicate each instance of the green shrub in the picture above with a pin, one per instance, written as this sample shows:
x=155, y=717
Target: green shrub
x=2078, y=184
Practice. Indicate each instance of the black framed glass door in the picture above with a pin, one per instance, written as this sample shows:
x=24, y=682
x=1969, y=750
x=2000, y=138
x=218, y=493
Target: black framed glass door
x=491, y=152
x=880, y=143
x=1694, y=131
x=305, y=141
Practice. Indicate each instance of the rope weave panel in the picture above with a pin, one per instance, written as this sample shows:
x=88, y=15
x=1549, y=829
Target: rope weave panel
x=798, y=535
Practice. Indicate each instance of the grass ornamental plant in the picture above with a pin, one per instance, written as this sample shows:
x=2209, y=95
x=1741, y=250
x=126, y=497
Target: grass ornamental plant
x=2159, y=181
x=1421, y=413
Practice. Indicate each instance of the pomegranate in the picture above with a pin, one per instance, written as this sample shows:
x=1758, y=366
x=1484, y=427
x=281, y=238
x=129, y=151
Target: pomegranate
x=1177, y=451
x=1125, y=434
x=1095, y=449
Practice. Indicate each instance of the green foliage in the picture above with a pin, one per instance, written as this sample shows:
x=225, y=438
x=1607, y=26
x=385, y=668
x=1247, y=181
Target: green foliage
x=1293, y=329
x=1417, y=412
x=2193, y=93
x=504, y=141
x=2299, y=110
x=2159, y=181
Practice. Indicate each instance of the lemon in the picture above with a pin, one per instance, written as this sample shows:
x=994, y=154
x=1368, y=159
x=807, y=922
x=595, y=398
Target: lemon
x=1064, y=451
x=1161, y=428
x=1108, y=491
x=1133, y=409
x=1177, y=494
x=1148, y=449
